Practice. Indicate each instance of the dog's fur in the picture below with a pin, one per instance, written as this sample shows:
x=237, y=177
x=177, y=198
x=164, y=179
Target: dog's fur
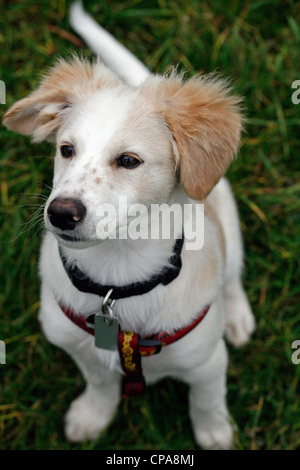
x=186, y=133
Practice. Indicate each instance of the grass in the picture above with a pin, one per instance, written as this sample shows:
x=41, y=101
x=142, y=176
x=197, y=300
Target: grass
x=257, y=44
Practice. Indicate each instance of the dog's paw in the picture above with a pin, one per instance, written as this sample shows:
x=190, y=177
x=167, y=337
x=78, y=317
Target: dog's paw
x=240, y=321
x=213, y=432
x=85, y=423
x=240, y=327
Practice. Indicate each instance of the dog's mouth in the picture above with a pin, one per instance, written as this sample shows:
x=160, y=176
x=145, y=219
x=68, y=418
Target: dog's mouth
x=70, y=238
x=73, y=241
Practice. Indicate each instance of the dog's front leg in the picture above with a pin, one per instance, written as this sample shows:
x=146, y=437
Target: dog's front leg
x=208, y=410
x=90, y=414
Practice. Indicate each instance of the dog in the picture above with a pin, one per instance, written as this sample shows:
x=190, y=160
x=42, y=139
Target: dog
x=130, y=311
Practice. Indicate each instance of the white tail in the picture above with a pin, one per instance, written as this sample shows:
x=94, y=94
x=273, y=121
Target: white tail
x=113, y=53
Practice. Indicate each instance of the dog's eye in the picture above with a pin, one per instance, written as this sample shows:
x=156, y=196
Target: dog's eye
x=128, y=161
x=67, y=151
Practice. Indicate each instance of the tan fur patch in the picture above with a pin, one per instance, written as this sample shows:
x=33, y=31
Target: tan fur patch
x=67, y=83
x=205, y=123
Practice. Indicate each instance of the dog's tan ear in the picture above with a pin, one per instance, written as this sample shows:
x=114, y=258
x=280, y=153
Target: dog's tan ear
x=205, y=122
x=67, y=83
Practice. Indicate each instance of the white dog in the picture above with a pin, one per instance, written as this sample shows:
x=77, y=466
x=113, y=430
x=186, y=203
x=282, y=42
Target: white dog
x=151, y=139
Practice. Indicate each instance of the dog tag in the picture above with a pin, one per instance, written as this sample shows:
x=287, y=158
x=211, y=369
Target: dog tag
x=106, y=332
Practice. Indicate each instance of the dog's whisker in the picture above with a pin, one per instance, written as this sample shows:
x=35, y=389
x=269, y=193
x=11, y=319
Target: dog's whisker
x=31, y=223
x=34, y=194
x=46, y=186
x=39, y=229
x=34, y=199
x=35, y=218
x=41, y=206
x=12, y=240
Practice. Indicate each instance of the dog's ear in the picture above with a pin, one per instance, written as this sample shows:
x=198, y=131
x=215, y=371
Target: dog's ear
x=205, y=122
x=67, y=83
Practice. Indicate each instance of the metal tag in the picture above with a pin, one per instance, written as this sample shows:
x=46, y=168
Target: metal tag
x=106, y=332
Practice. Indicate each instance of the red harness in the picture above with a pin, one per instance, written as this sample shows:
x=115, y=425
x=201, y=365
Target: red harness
x=132, y=348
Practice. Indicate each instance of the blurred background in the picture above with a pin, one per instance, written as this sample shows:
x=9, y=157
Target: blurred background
x=256, y=44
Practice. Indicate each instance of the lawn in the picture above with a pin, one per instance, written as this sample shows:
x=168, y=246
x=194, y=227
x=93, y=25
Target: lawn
x=257, y=44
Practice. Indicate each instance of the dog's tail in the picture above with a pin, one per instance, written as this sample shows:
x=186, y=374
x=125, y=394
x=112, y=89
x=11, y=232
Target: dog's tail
x=113, y=53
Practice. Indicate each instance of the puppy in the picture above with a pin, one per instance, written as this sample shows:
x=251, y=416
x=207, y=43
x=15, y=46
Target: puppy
x=132, y=310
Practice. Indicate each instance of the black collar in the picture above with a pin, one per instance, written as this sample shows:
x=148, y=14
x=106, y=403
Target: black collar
x=166, y=275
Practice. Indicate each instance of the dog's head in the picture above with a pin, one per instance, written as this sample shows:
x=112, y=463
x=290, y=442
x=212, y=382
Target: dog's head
x=114, y=140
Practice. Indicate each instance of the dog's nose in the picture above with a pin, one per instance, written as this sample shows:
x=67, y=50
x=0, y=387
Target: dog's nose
x=66, y=213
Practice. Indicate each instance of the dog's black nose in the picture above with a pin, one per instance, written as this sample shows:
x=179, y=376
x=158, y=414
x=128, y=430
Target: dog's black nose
x=65, y=213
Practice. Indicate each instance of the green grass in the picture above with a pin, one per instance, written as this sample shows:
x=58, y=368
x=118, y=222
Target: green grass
x=256, y=43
